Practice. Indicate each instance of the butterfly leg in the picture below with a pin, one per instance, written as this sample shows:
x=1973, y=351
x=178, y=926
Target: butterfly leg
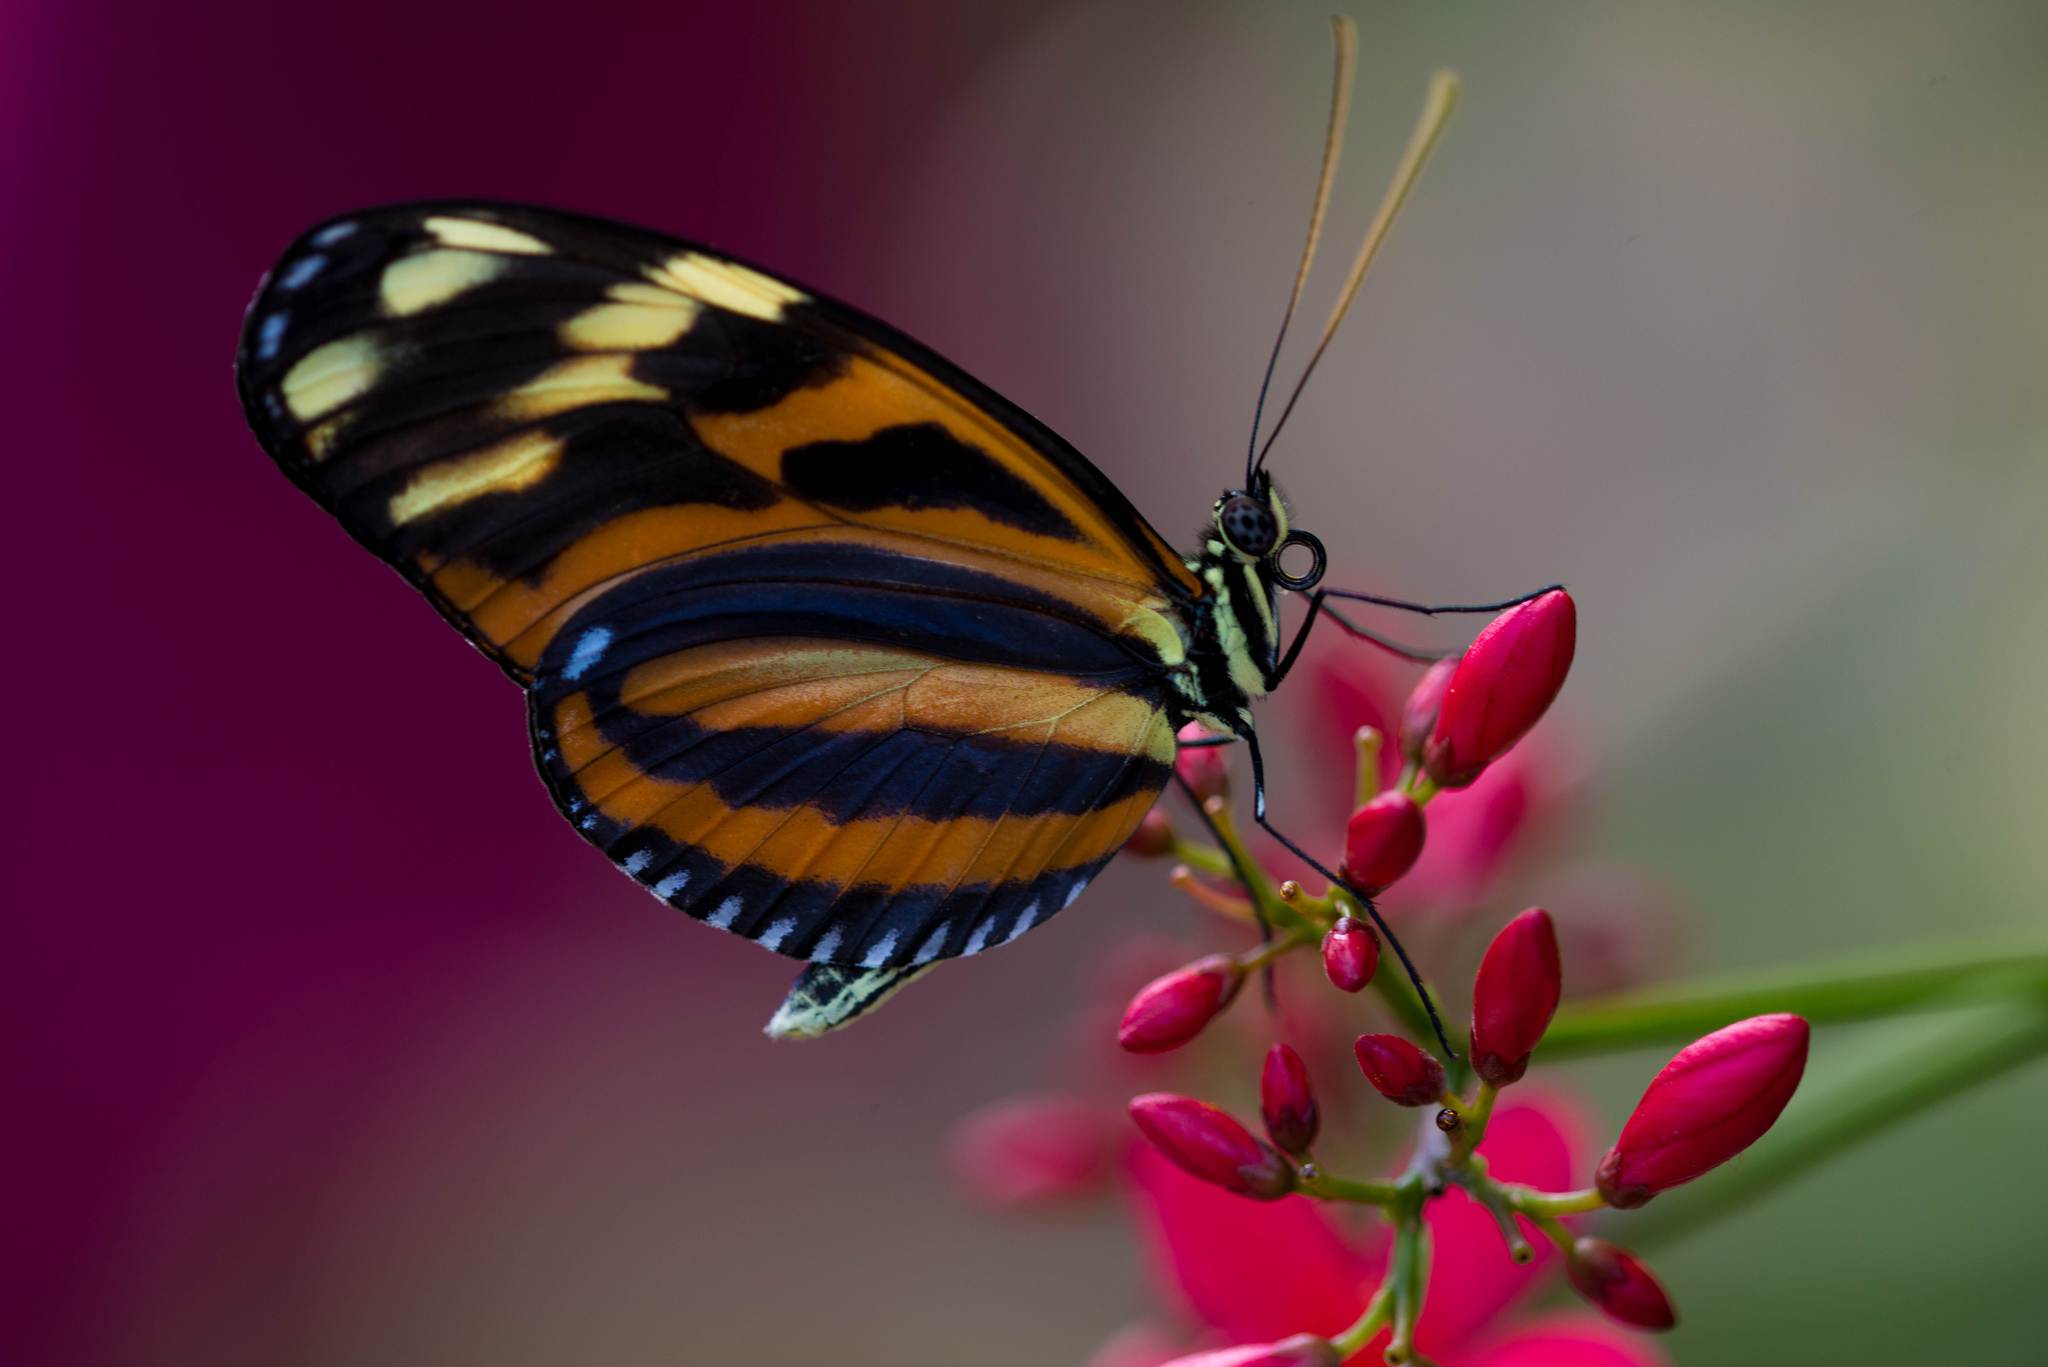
x=1317, y=606
x=1259, y=815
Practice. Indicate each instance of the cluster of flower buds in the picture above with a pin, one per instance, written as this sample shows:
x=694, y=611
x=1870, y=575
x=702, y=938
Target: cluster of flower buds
x=1463, y=714
x=1710, y=1103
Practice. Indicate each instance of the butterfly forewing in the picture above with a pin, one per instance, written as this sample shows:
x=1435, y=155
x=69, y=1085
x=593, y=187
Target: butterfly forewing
x=824, y=642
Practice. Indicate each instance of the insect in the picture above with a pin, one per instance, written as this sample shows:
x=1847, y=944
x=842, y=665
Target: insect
x=823, y=642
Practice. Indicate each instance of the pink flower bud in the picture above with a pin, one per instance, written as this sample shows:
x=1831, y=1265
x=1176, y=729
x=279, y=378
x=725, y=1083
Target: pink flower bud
x=1170, y=1011
x=1502, y=687
x=1709, y=1104
x=1351, y=953
x=1514, y=997
x=1154, y=836
x=1286, y=1103
x=1418, y=717
x=1206, y=1142
x=1381, y=842
x=1302, y=1350
x=1616, y=1280
x=1205, y=768
x=1030, y=1150
x=1404, y=1074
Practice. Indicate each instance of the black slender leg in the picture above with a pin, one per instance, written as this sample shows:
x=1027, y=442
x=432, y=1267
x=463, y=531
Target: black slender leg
x=1259, y=815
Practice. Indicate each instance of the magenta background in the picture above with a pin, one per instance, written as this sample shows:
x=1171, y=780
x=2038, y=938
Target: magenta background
x=261, y=797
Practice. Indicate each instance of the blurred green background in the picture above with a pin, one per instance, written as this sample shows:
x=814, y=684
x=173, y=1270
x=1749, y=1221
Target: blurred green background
x=1732, y=316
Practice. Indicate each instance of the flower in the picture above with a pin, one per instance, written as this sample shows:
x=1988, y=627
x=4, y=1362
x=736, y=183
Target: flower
x=1254, y=1274
x=1029, y=1150
x=1207, y=1143
x=1514, y=997
x=1710, y=1103
x=1170, y=1011
x=1351, y=953
x=1286, y=1102
x=1616, y=1280
x=1403, y=1074
x=1382, y=841
x=1506, y=681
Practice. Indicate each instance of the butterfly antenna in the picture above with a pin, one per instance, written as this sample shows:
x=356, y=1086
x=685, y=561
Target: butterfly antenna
x=1346, y=34
x=1444, y=89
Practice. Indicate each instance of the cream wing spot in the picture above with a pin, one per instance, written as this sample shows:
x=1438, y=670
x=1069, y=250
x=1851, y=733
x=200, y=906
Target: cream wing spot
x=327, y=377
x=511, y=465
x=413, y=284
x=578, y=383
x=727, y=285
x=485, y=237
x=638, y=318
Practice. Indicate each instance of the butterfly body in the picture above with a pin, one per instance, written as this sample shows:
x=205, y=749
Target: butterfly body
x=823, y=642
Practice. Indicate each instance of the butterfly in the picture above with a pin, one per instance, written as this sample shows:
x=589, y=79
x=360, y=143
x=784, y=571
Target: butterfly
x=824, y=643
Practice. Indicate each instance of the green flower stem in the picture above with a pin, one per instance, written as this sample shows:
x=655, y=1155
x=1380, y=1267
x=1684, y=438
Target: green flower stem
x=1378, y=1311
x=1368, y=740
x=1499, y=1203
x=1963, y=1054
x=1278, y=912
x=1285, y=943
x=1851, y=988
x=1554, y=1230
x=1207, y=858
x=1408, y=1275
x=1472, y=1123
x=1316, y=1182
x=1534, y=1203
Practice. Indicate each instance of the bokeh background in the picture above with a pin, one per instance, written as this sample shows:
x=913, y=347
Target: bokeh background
x=326, y=1043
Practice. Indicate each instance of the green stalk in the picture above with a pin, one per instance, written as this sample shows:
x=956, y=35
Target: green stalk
x=1856, y=987
x=1961, y=1055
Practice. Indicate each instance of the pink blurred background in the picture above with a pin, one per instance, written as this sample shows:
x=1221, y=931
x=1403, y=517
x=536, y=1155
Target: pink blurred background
x=322, y=1040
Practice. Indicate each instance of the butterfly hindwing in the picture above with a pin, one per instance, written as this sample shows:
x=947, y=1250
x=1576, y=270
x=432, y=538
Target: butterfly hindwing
x=824, y=642
x=851, y=803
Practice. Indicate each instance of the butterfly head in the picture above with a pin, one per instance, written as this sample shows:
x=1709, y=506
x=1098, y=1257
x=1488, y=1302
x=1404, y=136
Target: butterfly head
x=1252, y=528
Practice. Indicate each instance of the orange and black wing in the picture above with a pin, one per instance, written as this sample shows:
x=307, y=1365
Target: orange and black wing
x=824, y=642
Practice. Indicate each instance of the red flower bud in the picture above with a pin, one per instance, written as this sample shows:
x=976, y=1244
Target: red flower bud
x=1502, y=687
x=1153, y=837
x=1404, y=1074
x=1286, y=1103
x=1302, y=1350
x=1170, y=1011
x=1616, y=1280
x=1418, y=717
x=1381, y=842
x=1206, y=1142
x=1205, y=768
x=1709, y=1104
x=1514, y=997
x=1029, y=1150
x=1351, y=953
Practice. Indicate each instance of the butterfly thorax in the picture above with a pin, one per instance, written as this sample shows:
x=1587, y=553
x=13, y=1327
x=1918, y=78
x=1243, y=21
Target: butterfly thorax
x=1235, y=656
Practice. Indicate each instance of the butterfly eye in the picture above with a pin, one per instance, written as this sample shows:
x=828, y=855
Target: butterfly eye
x=1248, y=525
